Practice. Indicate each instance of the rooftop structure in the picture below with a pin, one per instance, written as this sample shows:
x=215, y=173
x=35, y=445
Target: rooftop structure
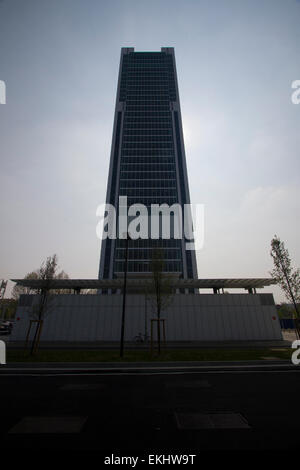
x=250, y=284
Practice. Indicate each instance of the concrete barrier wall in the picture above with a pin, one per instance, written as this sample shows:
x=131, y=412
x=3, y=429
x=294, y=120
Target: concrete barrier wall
x=199, y=317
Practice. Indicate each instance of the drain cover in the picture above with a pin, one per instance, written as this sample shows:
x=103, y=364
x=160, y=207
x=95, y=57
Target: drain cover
x=211, y=421
x=48, y=425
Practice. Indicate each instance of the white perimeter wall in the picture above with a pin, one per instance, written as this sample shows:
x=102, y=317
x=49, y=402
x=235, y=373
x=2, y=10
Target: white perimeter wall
x=198, y=317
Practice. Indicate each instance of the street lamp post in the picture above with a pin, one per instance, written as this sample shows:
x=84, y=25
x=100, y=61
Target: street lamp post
x=124, y=298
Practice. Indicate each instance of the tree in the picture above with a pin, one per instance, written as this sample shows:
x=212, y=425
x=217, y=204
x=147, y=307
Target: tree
x=160, y=291
x=19, y=290
x=48, y=268
x=286, y=276
x=8, y=308
x=46, y=272
x=285, y=310
x=61, y=275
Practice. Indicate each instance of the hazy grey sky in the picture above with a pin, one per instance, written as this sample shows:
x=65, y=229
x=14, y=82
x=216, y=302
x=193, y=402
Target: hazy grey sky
x=236, y=61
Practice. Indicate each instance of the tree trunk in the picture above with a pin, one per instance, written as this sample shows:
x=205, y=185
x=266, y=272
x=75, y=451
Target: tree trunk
x=37, y=333
x=158, y=329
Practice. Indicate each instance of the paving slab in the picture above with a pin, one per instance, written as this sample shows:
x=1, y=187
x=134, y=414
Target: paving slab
x=49, y=425
x=193, y=421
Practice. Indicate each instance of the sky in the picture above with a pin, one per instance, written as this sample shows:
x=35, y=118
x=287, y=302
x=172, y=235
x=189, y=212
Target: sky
x=236, y=61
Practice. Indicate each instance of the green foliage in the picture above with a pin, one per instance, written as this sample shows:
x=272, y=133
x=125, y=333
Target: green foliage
x=8, y=308
x=203, y=354
x=286, y=311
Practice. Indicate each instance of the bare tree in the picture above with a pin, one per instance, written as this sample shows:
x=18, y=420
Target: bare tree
x=48, y=267
x=61, y=275
x=46, y=272
x=286, y=276
x=160, y=291
x=19, y=290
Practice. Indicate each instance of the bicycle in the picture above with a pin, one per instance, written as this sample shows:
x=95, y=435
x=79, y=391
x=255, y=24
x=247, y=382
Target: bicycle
x=141, y=338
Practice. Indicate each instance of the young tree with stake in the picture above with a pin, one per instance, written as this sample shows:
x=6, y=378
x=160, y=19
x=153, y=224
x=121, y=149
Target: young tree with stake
x=286, y=276
x=160, y=291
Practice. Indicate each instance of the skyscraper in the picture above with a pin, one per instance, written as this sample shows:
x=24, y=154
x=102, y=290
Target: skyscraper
x=147, y=162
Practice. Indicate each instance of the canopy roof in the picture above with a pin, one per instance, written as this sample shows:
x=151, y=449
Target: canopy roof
x=246, y=283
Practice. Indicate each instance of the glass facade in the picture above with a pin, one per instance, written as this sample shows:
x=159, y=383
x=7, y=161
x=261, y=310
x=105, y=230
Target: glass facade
x=147, y=159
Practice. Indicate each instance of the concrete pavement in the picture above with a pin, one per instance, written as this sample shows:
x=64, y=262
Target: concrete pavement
x=129, y=414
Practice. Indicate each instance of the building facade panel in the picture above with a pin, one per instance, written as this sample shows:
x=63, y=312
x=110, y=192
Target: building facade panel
x=198, y=321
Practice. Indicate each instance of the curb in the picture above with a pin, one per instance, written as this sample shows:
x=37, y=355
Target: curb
x=131, y=368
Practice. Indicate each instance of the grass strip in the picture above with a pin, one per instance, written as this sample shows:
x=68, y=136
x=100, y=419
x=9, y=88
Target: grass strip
x=82, y=355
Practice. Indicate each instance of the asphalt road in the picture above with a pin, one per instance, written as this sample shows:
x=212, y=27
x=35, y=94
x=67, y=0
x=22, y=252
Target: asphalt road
x=149, y=412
